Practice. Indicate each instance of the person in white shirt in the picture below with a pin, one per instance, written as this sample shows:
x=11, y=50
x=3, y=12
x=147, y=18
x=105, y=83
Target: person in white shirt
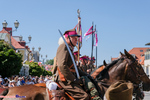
x=29, y=81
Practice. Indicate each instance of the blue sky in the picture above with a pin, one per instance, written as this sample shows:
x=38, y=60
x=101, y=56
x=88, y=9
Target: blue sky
x=121, y=24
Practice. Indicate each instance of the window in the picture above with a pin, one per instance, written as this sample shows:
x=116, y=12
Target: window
x=141, y=50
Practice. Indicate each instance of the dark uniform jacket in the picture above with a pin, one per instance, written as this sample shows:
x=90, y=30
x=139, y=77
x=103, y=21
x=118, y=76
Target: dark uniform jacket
x=83, y=68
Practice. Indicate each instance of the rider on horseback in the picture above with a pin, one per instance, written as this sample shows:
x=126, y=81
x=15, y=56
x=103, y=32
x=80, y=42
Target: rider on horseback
x=66, y=75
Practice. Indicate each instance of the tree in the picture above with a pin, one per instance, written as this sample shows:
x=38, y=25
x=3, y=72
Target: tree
x=10, y=61
x=45, y=72
x=51, y=61
x=36, y=70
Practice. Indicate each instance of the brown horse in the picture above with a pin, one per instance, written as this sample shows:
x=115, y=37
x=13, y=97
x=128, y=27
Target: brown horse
x=124, y=68
x=26, y=92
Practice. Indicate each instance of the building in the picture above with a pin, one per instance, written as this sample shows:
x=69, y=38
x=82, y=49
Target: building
x=36, y=56
x=147, y=62
x=19, y=46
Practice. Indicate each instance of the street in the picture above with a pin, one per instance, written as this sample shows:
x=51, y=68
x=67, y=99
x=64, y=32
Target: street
x=147, y=96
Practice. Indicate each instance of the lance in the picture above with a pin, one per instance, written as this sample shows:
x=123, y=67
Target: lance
x=76, y=69
x=79, y=44
x=92, y=44
x=96, y=47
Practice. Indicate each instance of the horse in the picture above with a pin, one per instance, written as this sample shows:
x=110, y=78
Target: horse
x=25, y=92
x=124, y=68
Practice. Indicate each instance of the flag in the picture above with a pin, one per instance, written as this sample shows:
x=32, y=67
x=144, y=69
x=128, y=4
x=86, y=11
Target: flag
x=79, y=29
x=89, y=32
x=96, y=39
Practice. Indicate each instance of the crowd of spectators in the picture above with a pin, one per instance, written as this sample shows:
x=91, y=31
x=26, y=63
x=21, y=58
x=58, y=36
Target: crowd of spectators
x=17, y=80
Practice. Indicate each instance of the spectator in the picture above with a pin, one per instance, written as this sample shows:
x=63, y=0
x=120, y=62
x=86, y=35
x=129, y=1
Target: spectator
x=46, y=78
x=36, y=80
x=1, y=83
x=23, y=80
x=29, y=81
x=12, y=83
x=19, y=83
x=6, y=82
x=16, y=78
x=2, y=80
x=41, y=80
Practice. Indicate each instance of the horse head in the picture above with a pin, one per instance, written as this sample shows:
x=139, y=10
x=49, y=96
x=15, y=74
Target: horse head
x=138, y=73
x=125, y=68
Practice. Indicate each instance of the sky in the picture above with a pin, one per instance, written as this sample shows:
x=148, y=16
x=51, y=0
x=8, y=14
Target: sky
x=120, y=24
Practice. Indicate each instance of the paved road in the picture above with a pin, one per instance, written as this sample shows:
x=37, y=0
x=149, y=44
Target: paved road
x=147, y=96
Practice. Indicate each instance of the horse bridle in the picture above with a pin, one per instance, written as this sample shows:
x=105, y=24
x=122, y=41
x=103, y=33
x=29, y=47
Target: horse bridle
x=138, y=76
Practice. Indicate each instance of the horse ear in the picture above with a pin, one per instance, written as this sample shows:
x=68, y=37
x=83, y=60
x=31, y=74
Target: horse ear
x=104, y=63
x=128, y=55
x=122, y=54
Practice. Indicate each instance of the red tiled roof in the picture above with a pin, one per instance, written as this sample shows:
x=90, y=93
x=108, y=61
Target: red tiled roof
x=13, y=41
x=112, y=59
x=3, y=31
x=16, y=44
x=141, y=60
x=22, y=43
x=137, y=52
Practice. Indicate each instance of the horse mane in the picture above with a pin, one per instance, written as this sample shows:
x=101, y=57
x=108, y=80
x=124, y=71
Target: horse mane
x=95, y=69
x=105, y=70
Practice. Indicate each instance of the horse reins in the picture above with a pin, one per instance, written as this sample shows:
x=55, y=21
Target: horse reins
x=138, y=76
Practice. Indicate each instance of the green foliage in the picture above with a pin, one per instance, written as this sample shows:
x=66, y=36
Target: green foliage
x=36, y=70
x=47, y=73
x=10, y=61
x=51, y=61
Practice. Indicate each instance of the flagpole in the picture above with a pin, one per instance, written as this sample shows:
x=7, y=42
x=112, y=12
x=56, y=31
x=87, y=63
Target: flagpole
x=96, y=47
x=78, y=11
x=92, y=45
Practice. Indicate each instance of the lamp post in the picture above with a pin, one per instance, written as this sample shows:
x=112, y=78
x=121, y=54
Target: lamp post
x=36, y=55
x=43, y=58
x=16, y=24
x=29, y=38
x=39, y=53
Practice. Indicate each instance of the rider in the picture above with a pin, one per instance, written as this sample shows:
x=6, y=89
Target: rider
x=66, y=75
x=91, y=63
x=83, y=65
